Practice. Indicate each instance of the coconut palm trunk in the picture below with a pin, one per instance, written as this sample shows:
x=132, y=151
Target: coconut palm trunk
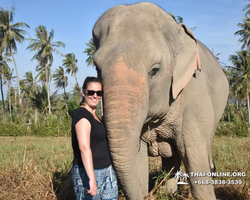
x=15, y=100
x=17, y=79
x=76, y=80
x=9, y=98
x=1, y=85
x=67, y=109
x=48, y=88
x=35, y=116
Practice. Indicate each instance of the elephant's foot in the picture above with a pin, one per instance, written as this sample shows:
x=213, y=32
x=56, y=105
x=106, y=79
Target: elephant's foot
x=168, y=164
x=204, y=192
x=171, y=186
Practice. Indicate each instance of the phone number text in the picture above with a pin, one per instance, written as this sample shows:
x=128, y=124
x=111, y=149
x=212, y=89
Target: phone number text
x=218, y=182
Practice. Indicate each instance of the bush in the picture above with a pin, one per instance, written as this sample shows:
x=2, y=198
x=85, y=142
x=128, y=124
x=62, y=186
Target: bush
x=237, y=128
x=51, y=126
x=72, y=106
x=9, y=128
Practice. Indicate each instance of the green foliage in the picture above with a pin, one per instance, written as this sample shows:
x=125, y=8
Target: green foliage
x=235, y=111
x=8, y=128
x=51, y=126
x=99, y=111
x=73, y=104
x=237, y=128
x=178, y=19
x=90, y=51
x=40, y=100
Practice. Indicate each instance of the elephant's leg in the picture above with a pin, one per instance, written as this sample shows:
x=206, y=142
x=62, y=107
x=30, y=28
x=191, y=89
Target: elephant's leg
x=167, y=165
x=196, y=158
x=211, y=161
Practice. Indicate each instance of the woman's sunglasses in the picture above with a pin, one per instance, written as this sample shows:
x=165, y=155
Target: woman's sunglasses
x=92, y=92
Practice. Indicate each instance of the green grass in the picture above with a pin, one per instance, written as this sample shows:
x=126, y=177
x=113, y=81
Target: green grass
x=38, y=168
x=232, y=154
x=43, y=151
x=33, y=167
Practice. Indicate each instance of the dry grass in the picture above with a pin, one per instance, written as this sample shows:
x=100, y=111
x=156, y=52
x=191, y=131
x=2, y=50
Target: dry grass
x=38, y=168
x=26, y=183
x=33, y=167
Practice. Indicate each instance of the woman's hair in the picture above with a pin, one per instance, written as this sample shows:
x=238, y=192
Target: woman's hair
x=87, y=81
x=90, y=79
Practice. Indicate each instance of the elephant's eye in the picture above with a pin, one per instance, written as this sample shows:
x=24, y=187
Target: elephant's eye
x=154, y=71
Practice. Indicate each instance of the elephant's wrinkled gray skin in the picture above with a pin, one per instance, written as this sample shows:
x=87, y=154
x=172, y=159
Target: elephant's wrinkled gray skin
x=164, y=94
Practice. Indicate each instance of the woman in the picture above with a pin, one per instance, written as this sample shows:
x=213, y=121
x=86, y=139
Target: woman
x=92, y=173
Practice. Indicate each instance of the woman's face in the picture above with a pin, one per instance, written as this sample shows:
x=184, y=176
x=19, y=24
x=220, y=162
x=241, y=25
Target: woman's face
x=91, y=94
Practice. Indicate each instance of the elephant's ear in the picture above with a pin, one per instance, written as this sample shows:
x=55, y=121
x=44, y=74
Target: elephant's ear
x=187, y=59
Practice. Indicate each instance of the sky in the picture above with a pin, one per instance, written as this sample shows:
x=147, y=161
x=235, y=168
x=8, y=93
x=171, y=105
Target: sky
x=73, y=20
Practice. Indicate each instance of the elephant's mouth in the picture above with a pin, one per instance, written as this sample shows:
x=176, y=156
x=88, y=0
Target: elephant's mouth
x=159, y=136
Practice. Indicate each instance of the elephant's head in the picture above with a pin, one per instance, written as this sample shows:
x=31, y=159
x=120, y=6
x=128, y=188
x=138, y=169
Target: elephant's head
x=144, y=59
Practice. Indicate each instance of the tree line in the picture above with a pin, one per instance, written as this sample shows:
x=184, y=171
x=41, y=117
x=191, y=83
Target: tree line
x=31, y=98
x=239, y=73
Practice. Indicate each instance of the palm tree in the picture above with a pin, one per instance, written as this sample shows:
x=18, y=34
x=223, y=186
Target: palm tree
x=241, y=80
x=12, y=33
x=45, y=48
x=29, y=88
x=244, y=33
x=70, y=62
x=40, y=100
x=8, y=74
x=61, y=81
x=90, y=51
x=229, y=72
x=1, y=70
x=41, y=72
x=71, y=67
x=3, y=64
x=247, y=8
x=30, y=82
x=77, y=92
x=62, y=103
x=1, y=86
x=11, y=95
x=178, y=19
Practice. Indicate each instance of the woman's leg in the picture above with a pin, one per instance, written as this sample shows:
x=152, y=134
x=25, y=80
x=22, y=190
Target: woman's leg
x=81, y=184
x=77, y=182
x=110, y=187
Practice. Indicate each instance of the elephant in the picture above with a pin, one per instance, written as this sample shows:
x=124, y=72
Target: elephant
x=164, y=95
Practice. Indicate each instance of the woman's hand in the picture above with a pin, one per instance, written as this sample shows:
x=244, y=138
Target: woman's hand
x=92, y=188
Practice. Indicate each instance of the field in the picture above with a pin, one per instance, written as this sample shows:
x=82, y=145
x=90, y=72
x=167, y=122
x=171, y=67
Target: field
x=38, y=168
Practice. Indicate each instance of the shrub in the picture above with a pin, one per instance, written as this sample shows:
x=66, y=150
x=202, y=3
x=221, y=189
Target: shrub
x=12, y=129
x=51, y=126
x=237, y=128
x=72, y=106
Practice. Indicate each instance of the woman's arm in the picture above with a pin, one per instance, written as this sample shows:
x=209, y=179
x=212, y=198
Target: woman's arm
x=83, y=128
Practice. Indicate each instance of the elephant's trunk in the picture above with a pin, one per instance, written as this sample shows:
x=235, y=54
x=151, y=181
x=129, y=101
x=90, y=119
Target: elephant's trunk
x=125, y=110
